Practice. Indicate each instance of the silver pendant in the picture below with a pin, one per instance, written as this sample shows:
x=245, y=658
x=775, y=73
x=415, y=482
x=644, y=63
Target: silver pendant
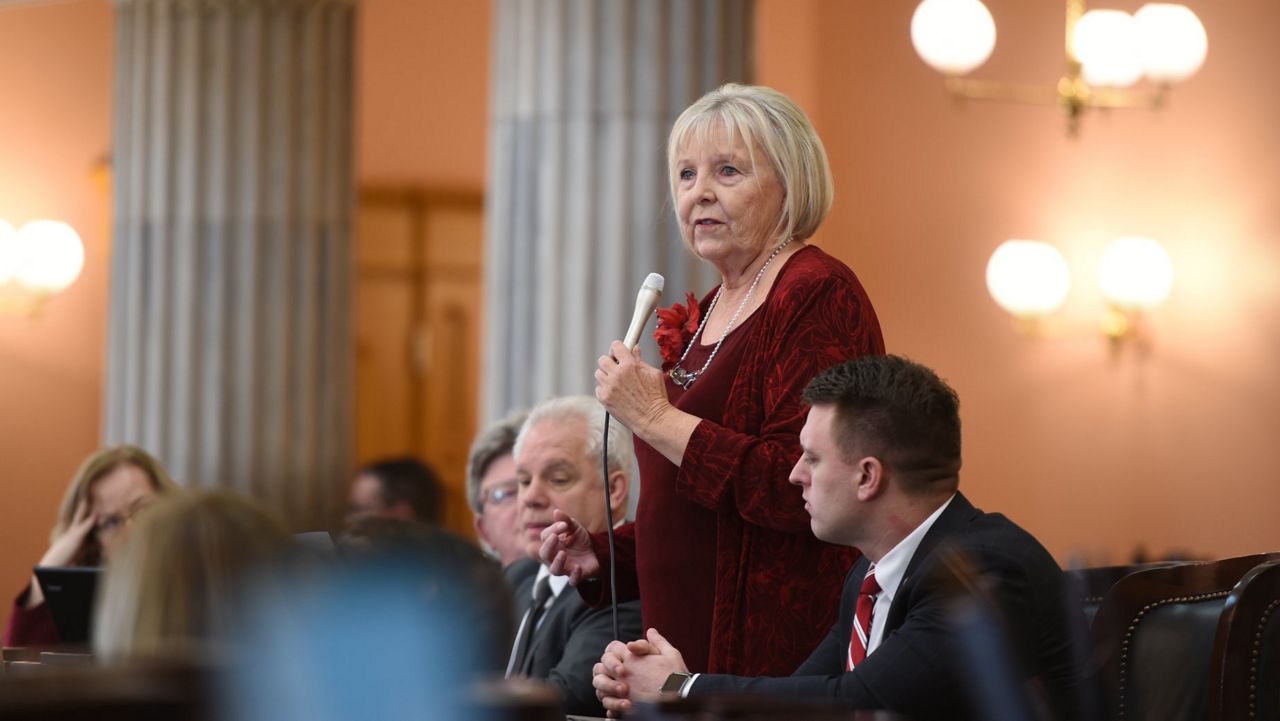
x=682, y=377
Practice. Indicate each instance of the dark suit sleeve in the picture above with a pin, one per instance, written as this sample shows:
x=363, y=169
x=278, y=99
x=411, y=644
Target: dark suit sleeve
x=914, y=657
x=917, y=669
x=592, y=631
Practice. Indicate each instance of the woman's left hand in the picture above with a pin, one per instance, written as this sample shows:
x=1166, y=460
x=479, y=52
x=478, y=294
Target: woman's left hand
x=633, y=391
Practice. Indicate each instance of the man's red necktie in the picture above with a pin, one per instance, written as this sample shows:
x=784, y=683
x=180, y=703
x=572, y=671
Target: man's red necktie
x=861, y=636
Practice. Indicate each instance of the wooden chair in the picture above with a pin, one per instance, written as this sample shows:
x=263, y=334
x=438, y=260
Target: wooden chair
x=1154, y=636
x=1245, y=680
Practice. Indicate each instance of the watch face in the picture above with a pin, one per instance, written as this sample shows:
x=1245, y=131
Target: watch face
x=674, y=682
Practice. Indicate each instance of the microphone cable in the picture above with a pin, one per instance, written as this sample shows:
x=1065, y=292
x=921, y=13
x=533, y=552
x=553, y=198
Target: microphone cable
x=608, y=523
x=646, y=302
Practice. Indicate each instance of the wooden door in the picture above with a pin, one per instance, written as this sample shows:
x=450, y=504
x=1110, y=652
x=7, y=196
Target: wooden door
x=418, y=297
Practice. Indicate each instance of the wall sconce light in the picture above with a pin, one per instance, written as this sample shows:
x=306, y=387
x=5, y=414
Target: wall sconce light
x=1029, y=279
x=1136, y=275
x=1106, y=52
x=42, y=259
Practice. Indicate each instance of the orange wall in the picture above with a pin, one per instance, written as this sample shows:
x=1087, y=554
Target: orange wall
x=55, y=128
x=1094, y=454
x=422, y=78
x=423, y=83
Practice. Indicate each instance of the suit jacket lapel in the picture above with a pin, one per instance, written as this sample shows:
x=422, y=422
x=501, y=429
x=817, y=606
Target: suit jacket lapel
x=952, y=520
x=550, y=622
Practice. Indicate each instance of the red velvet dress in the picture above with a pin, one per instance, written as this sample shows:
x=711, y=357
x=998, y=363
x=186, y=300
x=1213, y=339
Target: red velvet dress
x=721, y=554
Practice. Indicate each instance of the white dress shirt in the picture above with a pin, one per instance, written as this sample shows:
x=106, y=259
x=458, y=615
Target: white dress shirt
x=890, y=571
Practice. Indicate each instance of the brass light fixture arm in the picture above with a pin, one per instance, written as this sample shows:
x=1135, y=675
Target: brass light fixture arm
x=1071, y=93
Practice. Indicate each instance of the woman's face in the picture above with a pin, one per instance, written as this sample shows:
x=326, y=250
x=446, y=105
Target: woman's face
x=116, y=498
x=728, y=209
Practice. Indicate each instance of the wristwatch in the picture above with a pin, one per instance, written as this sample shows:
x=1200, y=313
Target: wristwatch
x=675, y=682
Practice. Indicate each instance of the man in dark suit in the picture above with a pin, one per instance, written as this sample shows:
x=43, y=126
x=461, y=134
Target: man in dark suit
x=880, y=472
x=557, y=456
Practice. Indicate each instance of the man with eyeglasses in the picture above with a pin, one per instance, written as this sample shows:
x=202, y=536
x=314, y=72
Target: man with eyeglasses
x=491, y=488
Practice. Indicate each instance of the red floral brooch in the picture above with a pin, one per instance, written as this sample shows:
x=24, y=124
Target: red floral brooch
x=676, y=326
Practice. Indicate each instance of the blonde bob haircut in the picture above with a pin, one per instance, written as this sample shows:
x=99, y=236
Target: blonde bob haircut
x=174, y=589
x=98, y=465
x=766, y=119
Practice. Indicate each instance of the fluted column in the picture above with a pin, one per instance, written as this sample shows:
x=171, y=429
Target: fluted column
x=584, y=94
x=229, y=349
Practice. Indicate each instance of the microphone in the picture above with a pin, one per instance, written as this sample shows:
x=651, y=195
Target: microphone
x=646, y=301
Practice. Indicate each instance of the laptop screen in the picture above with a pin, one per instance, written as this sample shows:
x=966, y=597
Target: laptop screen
x=69, y=593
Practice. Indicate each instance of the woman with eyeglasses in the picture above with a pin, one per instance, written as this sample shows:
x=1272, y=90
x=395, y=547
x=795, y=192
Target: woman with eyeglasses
x=111, y=486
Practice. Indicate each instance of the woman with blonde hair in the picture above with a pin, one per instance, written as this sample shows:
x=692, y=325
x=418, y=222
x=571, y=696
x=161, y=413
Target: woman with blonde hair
x=173, y=589
x=110, y=488
x=721, y=554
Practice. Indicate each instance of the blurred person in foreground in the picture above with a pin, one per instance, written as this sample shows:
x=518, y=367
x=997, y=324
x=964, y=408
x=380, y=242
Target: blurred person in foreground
x=491, y=489
x=558, y=453
x=455, y=576
x=173, y=591
x=721, y=554
x=404, y=488
x=109, y=489
x=403, y=628
x=880, y=471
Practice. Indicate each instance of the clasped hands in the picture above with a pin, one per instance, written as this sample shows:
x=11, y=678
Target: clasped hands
x=635, y=671
x=626, y=672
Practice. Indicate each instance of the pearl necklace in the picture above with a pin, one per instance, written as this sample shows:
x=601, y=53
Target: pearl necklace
x=684, y=378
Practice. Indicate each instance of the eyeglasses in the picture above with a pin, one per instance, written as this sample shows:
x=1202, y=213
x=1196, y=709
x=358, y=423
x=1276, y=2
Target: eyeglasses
x=108, y=525
x=499, y=495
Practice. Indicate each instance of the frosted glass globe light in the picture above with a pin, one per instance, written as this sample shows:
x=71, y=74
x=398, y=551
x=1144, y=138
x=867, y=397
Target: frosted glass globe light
x=1028, y=278
x=51, y=255
x=1172, y=41
x=8, y=252
x=1135, y=273
x=1106, y=43
x=953, y=36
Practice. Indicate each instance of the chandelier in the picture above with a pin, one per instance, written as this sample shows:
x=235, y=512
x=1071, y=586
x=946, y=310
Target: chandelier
x=1107, y=53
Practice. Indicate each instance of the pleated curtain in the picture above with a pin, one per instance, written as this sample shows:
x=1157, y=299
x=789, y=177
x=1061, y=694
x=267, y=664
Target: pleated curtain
x=230, y=331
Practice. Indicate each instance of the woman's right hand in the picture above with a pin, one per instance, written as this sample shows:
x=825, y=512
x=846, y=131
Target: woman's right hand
x=566, y=549
x=65, y=548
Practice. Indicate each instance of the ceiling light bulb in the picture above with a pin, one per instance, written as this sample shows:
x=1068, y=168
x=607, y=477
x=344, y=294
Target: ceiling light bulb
x=1135, y=273
x=1106, y=44
x=51, y=255
x=1028, y=278
x=953, y=36
x=1172, y=40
